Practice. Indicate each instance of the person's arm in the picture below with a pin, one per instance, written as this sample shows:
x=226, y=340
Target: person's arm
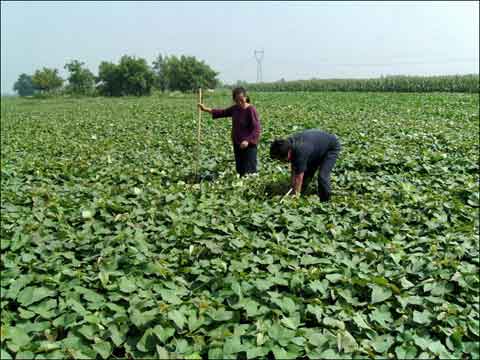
x=297, y=182
x=292, y=177
x=204, y=108
x=299, y=166
x=217, y=113
x=256, y=128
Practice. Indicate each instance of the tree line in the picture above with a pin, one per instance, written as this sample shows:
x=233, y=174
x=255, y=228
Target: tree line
x=130, y=76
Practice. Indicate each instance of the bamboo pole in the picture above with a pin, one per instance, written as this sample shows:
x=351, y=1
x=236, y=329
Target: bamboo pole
x=286, y=195
x=199, y=116
x=199, y=132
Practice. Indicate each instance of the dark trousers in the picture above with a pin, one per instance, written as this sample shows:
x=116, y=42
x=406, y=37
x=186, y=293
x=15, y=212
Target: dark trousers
x=324, y=168
x=245, y=159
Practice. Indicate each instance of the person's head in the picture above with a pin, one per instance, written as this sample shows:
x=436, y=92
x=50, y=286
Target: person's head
x=279, y=149
x=239, y=96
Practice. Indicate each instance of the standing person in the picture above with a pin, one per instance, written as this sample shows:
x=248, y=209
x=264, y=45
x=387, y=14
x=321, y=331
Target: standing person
x=246, y=130
x=308, y=151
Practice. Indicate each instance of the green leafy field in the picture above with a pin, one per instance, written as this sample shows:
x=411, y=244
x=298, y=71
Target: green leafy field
x=109, y=249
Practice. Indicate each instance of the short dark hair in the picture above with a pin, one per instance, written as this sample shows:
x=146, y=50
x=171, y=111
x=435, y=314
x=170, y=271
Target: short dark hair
x=279, y=149
x=238, y=91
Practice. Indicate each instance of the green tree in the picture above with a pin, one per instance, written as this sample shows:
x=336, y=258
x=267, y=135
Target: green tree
x=24, y=86
x=132, y=76
x=187, y=73
x=46, y=80
x=158, y=67
x=109, y=80
x=81, y=80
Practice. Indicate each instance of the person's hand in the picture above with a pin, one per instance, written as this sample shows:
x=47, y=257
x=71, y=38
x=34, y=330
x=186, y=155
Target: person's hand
x=244, y=144
x=202, y=107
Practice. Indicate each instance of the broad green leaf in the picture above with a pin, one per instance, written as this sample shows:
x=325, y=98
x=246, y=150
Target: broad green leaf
x=330, y=354
x=221, y=315
x=88, y=331
x=360, y=321
x=127, y=285
x=438, y=348
x=422, y=317
x=78, y=347
x=34, y=327
x=4, y=355
x=286, y=304
x=252, y=353
x=280, y=334
x=346, y=342
x=310, y=260
x=406, y=352
x=237, y=289
x=163, y=333
x=46, y=309
x=215, y=353
x=26, y=314
x=143, y=318
x=30, y=295
x=300, y=341
x=382, y=316
x=473, y=348
x=18, y=336
x=146, y=342
x=232, y=345
x=382, y=343
x=18, y=285
x=182, y=346
x=193, y=356
x=422, y=342
x=315, y=310
x=317, y=339
x=88, y=214
x=117, y=336
x=251, y=307
x=170, y=297
x=178, y=318
x=333, y=278
x=195, y=322
x=24, y=355
x=263, y=284
x=103, y=348
x=380, y=294
x=162, y=352
x=319, y=286
x=328, y=321
x=405, y=283
x=291, y=322
x=280, y=353
x=48, y=347
x=104, y=277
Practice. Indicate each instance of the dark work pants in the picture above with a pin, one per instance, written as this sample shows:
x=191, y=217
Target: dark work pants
x=246, y=159
x=324, y=168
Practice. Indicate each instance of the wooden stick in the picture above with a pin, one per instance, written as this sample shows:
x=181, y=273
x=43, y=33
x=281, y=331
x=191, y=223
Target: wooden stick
x=199, y=115
x=199, y=139
x=285, y=196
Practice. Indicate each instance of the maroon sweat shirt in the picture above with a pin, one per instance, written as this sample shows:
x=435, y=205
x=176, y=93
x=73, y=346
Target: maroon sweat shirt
x=245, y=123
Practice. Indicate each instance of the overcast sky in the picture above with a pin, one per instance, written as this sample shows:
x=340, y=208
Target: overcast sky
x=301, y=40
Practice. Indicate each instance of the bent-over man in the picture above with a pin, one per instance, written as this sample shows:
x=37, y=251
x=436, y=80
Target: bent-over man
x=307, y=152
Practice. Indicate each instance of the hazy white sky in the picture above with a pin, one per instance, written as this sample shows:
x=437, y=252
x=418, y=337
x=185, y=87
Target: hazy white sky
x=300, y=39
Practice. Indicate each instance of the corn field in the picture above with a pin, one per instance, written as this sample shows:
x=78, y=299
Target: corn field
x=455, y=83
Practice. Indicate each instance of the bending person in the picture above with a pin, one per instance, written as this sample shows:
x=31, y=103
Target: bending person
x=308, y=151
